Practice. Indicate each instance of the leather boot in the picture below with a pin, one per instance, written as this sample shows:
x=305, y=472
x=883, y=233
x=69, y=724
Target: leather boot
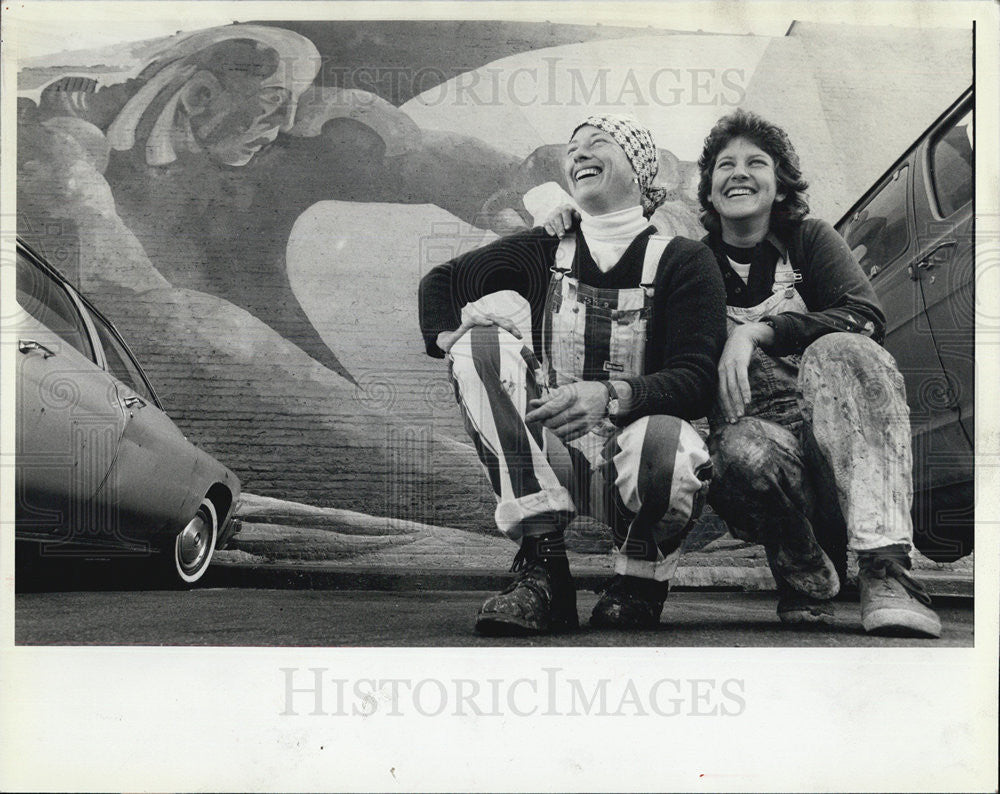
x=542, y=599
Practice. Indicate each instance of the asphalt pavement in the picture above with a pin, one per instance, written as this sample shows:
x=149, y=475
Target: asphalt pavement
x=288, y=583
x=102, y=613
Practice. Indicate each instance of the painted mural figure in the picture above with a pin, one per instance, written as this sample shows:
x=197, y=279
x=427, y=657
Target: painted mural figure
x=575, y=364
x=227, y=136
x=810, y=434
x=178, y=143
x=224, y=92
x=223, y=140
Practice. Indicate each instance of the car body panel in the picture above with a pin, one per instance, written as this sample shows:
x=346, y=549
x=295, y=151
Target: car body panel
x=152, y=450
x=936, y=431
x=99, y=464
x=945, y=270
x=926, y=287
x=68, y=427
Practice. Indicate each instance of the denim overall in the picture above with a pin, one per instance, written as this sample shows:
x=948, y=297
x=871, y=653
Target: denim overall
x=773, y=381
x=815, y=455
x=648, y=480
x=576, y=316
x=757, y=513
x=619, y=315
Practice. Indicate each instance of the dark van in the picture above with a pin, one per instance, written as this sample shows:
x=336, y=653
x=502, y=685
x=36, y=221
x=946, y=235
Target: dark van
x=913, y=235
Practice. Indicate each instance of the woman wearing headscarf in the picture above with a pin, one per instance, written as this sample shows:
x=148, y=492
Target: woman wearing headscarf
x=575, y=363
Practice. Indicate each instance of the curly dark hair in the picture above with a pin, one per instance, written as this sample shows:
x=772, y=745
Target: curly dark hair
x=773, y=140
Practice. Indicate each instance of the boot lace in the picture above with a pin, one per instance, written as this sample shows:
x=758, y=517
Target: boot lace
x=885, y=569
x=531, y=572
x=522, y=560
x=535, y=550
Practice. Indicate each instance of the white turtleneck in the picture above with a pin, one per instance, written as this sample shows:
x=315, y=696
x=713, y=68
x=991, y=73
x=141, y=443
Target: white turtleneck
x=609, y=235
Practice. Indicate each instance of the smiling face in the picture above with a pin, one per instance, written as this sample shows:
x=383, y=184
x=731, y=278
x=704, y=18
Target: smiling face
x=598, y=174
x=744, y=185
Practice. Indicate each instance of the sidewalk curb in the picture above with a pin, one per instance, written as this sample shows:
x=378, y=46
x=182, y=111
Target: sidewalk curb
x=282, y=544
x=313, y=575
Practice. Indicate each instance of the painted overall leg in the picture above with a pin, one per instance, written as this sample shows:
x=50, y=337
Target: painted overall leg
x=827, y=521
x=650, y=490
x=763, y=491
x=493, y=375
x=857, y=420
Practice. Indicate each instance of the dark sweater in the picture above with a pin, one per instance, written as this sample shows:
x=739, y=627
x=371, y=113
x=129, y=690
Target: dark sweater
x=687, y=329
x=835, y=289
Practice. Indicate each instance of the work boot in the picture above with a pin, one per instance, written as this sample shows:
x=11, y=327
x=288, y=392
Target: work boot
x=628, y=602
x=805, y=567
x=540, y=600
x=795, y=608
x=892, y=601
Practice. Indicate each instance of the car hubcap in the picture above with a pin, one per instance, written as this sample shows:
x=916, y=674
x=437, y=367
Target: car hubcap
x=193, y=543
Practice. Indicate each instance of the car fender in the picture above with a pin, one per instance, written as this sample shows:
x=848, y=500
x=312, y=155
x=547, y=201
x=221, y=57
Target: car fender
x=217, y=483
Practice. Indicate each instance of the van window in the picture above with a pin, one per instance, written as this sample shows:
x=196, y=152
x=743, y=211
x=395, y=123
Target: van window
x=952, y=167
x=877, y=233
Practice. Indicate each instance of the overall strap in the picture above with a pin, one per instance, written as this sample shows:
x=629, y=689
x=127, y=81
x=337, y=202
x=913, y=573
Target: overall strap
x=565, y=254
x=784, y=264
x=786, y=275
x=655, y=246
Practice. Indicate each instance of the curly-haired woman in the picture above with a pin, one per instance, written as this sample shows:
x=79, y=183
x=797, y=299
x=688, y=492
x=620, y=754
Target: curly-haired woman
x=810, y=434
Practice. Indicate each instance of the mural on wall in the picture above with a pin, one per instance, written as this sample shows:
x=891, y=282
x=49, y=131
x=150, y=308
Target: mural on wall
x=220, y=96
x=217, y=98
x=255, y=204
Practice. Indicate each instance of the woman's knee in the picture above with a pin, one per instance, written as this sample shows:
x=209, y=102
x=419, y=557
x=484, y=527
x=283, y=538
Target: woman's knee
x=842, y=349
x=484, y=349
x=852, y=367
x=666, y=454
x=758, y=473
x=753, y=456
x=750, y=444
x=662, y=467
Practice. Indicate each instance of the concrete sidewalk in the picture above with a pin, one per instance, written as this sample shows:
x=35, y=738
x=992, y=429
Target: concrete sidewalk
x=283, y=543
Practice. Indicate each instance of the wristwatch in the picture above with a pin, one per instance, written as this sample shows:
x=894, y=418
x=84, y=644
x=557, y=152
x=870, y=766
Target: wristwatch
x=614, y=405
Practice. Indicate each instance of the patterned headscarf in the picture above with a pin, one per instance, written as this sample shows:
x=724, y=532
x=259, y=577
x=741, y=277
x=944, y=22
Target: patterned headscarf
x=640, y=149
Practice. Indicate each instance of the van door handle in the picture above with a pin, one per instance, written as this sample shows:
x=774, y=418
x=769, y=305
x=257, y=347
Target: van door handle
x=930, y=261
x=134, y=402
x=27, y=345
